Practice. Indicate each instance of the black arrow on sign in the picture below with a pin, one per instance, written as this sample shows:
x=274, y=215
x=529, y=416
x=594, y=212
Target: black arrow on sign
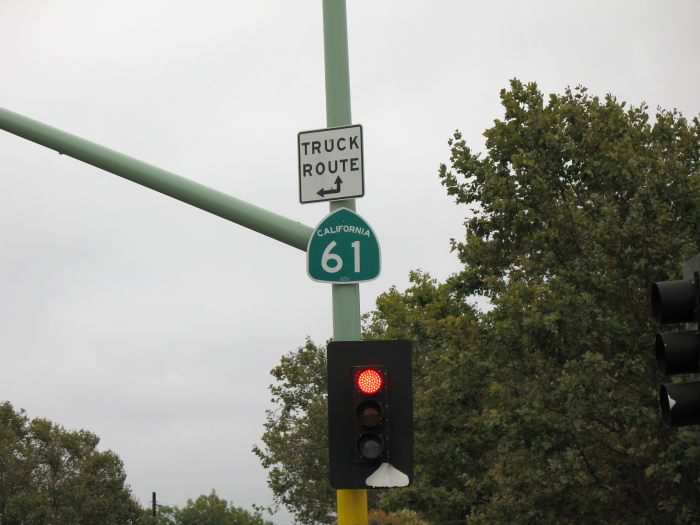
x=338, y=182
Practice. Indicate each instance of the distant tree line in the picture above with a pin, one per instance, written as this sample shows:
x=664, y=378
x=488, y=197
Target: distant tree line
x=49, y=475
x=53, y=476
x=205, y=510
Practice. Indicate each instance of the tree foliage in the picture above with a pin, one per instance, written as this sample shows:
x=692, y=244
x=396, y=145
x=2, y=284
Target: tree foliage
x=543, y=409
x=295, y=439
x=449, y=380
x=49, y=475
x=404, y=517
x=577, y=207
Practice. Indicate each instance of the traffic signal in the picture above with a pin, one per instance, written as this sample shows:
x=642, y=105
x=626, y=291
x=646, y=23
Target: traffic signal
x=370, y=414
x=678, y=352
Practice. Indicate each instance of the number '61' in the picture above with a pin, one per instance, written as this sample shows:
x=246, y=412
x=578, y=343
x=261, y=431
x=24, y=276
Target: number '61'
x=329, y=257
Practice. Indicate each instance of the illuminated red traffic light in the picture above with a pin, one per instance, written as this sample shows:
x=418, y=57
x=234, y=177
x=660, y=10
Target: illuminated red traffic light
x=369, y=381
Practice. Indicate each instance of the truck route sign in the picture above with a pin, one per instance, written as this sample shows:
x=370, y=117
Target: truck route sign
x=331, y=165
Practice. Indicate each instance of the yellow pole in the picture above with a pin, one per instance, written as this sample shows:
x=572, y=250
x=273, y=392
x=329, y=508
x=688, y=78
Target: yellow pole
x=352, y=507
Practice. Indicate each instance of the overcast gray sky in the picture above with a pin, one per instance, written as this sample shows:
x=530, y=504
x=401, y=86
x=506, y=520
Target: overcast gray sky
x=154, y=324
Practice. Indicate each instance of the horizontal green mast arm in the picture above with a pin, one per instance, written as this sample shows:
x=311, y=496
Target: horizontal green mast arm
x=235, y=210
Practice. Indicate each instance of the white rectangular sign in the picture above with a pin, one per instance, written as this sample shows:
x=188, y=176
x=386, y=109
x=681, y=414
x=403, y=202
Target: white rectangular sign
x=331, y=166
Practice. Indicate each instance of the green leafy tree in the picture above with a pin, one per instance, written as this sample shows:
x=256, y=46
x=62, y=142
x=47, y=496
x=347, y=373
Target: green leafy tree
x=450, y=380
x=404, y=517
x=295, y=450
x=165, y=515
x=212, y=510
x=49, y=475
x=577, y=206
x=205, y=510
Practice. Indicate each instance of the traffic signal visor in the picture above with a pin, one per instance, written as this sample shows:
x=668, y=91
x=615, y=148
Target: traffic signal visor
x=674, y=301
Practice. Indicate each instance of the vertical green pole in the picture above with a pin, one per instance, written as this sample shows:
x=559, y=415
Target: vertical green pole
x=352, y=504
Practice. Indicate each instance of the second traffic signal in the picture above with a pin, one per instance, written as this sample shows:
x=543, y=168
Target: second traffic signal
x=678, y=352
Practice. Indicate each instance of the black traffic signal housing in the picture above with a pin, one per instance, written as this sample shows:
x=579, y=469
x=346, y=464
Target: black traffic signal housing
x=678, y=352
x=370, y=414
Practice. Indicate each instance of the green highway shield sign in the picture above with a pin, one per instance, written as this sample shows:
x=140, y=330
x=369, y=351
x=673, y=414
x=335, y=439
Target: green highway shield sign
x=343, y=249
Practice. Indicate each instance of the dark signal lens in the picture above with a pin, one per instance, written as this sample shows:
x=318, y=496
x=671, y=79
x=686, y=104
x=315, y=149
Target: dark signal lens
x=369, y=381
x=370, y=446
x=369, y=413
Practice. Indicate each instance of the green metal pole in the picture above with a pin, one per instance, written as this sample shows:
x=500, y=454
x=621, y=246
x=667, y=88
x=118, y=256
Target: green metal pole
x=262, y=221
x=352, y=504
x=346, y=297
